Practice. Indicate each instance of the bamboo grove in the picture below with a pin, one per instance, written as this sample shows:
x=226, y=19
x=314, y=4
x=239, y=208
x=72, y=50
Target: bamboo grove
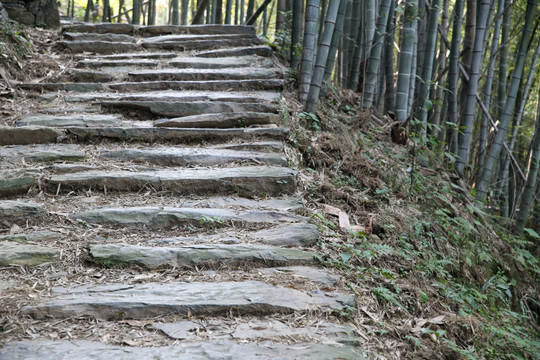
x=461, y=76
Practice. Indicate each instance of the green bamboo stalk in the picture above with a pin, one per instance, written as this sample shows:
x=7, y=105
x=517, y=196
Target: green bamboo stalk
x=453, y=76
x=184, y=11
x=390, y=93
x=374, y=61
x=405, y=59
x=347, y=43
x=257, y=13
x=175, y=15
x=336, y=37
x=322, y=56
x=503, y=58
x=493, y=156
x=354, y=45
x=297, y=15
x=308, y=49
x=200, y=12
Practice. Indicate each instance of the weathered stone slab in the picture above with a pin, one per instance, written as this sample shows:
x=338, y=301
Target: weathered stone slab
x=97, y=63
x=266, y=146
x=13, y=253
x=256, y=329
x=206, y=74
x=175, y=135
x=101, y=28
x=194, y=37
x=219, y=120
x=290, y=204
x=136, y=55
x=215, y=85
x=31, y=237
x=178, y=109
x=69, y=120
x=143, y=301
x=73, y=87
x=19, y=211
x=100, y=47
x=219, y=63
x=56, y=152
x=14, y=182
x=197, y=45
x=262, y=50
x=99, y=37
x=289, y=235
x=208, y=350
x=319, y=276
x=70, y=168
x=28, y=135
x=255, y=179
x=174, y=156
x=190, y=256
x=90, y=76
x=166, y=217
x=154, y=30
x=179, y=96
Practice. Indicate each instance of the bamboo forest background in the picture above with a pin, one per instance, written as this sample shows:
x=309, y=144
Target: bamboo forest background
x=460, y=76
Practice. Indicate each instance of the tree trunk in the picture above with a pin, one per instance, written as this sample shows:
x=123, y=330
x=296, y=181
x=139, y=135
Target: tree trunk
x=405, y=60
x=472, y=88
x=354, y=45
x=308, y=49
x=493, y=156
x=390, y=93
x=346, y=44
x=322, y=56
x=298, y=11
x=280, y=17
x=175, y=15
x=336, y=37
x=374, y=61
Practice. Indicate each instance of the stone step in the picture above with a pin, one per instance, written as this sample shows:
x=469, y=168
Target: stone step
x=219, y=120
x=16, y=182
x=178, y=96
x=199, y=256
x=96, y=46
x=13, y=253
x=118, y=63
x=150, y=300
x=213, y=85
x=36, y=236
x=19, y=211
x=151, y=109
x=155, y=30
x=261, y=50
x=199, y=44
x=168, y=217
x=102, y=28
x=131, y=55
x=246, y=180
x=69, y=120
x=27, y=153
x=209, y=350
x=90, y=76
x=174, y=135
x=28, y=135
x=99, y=37
x=253, y=329
x=194, y=37
x=206, y=74
x=285, y=235
x=263, y=146
x=220, y=63
x=174, y=156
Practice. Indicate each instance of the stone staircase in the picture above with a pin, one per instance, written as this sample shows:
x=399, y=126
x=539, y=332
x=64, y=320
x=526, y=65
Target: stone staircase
x=147, y=209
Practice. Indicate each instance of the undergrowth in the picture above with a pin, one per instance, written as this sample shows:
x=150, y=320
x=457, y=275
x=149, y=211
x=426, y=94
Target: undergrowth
x=435, y=278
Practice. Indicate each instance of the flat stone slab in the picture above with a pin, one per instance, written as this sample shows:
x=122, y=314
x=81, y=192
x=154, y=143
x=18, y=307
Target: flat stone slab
x=190, y=256
x=211, y=85
x=220, y=120
x=135, y=55
x=158, y=96
x=90, y=76
x=256, y=329
x=208, y=350
x=154, y=30
x=36, y=236
x=174, y=156
x=19, y=211
x=206, y=74
x=191, y=37
x=200, y=44
x=265, y=146
x=290, y=204
x=14, y=182
x=96, y=46
x=101, y=28
x=219, y=63
x=56, y=152
x=144, y=301
x=261, y=50
x=13, y=253
x=167, y=217
x=255, y=179
x=69, y=120
x=319, y=276
x=175, y=135
x=28, y=135
x=97, y=63
x=99, y=37
x=179, y=109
